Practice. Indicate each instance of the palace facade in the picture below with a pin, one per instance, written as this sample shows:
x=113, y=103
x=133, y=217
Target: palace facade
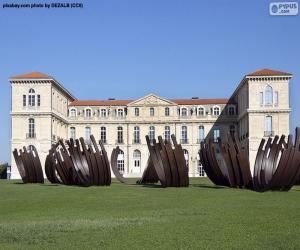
x=43, y=111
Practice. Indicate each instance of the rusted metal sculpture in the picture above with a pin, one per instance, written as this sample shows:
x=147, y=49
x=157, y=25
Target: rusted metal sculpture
x=29, y=165
x=277, y=165
x=165, y=164
x=79, y=164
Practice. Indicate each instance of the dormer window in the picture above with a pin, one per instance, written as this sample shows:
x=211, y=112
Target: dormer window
x=184, y=112
x=136, y=111
x=201, y=111
x=231, y=110
x=216, y=110
x=120, y=112
x=88, y=113
x=103, y=112
x=73, y=112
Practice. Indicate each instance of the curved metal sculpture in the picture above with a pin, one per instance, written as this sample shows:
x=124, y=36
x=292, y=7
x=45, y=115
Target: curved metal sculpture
x=29, y=165
x=165, y=164
x=277, y=165
x=80, y=164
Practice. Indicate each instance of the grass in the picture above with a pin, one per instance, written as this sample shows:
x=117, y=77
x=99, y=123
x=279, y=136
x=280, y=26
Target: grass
x=203, y=216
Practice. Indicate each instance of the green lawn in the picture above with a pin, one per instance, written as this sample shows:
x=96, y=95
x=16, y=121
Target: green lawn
x=34, y=216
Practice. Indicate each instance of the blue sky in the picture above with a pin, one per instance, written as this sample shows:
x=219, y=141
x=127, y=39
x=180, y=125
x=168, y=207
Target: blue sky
x=126, y=49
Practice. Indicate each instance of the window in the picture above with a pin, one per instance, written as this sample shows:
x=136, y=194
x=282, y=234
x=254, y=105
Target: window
x=151, y=111
x=87, y=134
x=103, y=113
x=216, y=134
x=136, y=134
x=151, y=133
x=73, y=113
x=232, y=130
x=201, y=111
x=31, y=128
x=186, y=157
x=268, y=95
x=136, y=158
x=120, y=162
x=261, y=98
x=276, y=98
x=200, y=167
x=167, y=133
x=201, y=134
x=231, y=110
x=269, y=126
x=184, y=112
x=24, y=100
x=167, y=111
x=103, y=134
x=120, y=135
x=73, y=133
x=31, y=98
x=31, y=148
x=39, y=100
x=216, y=111
x=88, y=113
x=184, y=134
x=120, y=112
x=137, y=112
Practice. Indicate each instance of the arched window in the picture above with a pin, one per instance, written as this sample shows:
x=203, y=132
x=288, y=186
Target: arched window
x=136, y=111
x=167, y=133
x=88, y=113
x=216, y=110
x=232, y=130
x=136, y=135
x=73, y=133
x=103, y=113
x=151, y=111
x=120, y=135
x=184, y=112
x=184, y=139
x=201, y=134
x=73, y=112
x=31, y=98
x=268, y=95
x=87, y=134
x=167, y=111
x=136, y=160
x=120, y=162
x=31, y=148
x=201, y=111
x=103, y=134
x=151, y=133
x=186, y=157
x=31, y=128
x=269, y=126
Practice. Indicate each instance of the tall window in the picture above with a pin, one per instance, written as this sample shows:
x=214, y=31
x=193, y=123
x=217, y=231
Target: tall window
x=87, y=134
x=120, y=162
x=231, y=110
x=24, y=100
x=39, y=100
x=232, y=130
x=103, y=113
x=216, y=110
x=269, y=126
x=31, y=98
x=167, y=111
x=184, y=112
x=73, y=113
x=31, y=148
x=201, y=134
x=151, y=111
x=184, y=134
x=216, y=134
x=261, y=98
x=136, y=134
x=200, y=167
x=103, y=134
x=167, y=133
x=276, y=98
x=72, y=133
x=268, y=95
x=186, y=157
x=31, y=128
x=136, y=158
x=120, y=134
x=120, y=112
x=151, y=133
x=201, y=111
x=136, y=111
x=88, y=113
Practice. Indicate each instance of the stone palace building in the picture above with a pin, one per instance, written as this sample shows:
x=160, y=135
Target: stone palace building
x=43, y=111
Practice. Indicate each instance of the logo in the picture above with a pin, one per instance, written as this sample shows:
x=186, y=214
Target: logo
x=283, y=8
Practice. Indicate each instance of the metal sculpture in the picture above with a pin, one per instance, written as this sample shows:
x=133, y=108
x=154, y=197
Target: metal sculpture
x=79, y=164
x=277, y=165
x=29, y=165
x=165, y=164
